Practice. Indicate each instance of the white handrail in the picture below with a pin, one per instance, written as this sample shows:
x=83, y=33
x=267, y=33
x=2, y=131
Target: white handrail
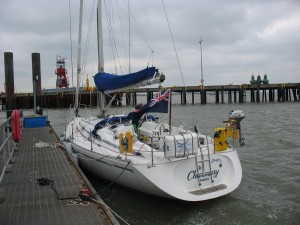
x=6, y=148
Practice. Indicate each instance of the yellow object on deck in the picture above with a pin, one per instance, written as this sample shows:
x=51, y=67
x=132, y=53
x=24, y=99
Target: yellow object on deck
x=125, y=142
x=220, y=139
x=129, y=139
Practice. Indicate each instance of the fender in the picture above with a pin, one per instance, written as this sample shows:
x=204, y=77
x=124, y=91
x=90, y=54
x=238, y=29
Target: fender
x=15, y=124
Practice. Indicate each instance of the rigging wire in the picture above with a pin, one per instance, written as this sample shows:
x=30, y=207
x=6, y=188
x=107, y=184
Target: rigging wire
x=173, y=43
x=88, y=38
x=122, y=31
x=83, y=66
x=193, y=118
x=112, y=40
x=136, y=27
x=87, y=43
x=150, y=58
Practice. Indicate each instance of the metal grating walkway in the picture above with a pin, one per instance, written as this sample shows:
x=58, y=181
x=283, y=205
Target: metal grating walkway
x=24, y=201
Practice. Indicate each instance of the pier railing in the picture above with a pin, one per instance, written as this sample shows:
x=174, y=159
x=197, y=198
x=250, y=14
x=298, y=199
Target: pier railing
x=7, y=147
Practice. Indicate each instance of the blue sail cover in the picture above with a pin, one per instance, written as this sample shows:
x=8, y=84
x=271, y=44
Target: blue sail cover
x=107, y=81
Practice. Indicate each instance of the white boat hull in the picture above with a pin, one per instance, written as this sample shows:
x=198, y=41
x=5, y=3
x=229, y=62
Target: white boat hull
x=176, y=179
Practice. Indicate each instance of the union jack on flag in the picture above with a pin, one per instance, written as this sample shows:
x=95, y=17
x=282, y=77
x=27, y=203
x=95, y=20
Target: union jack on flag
x=158, y=104
x=160, y=97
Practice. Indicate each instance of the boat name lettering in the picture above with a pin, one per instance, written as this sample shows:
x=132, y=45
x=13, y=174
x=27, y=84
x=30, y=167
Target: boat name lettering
x=193, y=174
x=216, y=160
x=205, y=179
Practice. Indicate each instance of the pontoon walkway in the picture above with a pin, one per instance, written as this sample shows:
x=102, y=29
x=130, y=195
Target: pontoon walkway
x=23, y=200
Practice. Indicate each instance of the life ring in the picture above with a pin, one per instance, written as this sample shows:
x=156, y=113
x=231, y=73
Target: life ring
x=15, y=124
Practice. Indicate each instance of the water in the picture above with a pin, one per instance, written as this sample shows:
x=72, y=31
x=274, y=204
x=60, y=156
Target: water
x=270, y=189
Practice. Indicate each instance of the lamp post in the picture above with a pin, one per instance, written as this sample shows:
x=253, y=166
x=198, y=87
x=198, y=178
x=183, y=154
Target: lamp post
x=202, y=80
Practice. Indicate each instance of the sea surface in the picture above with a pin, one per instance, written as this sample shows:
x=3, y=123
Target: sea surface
x=270, y=189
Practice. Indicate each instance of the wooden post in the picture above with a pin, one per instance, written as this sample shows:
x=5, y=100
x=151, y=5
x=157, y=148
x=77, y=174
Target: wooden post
x=193, y=98
x=289, y=95
x=217, y=97
x=294, y=94
x=258, y=93
x=234, y=96
x=283, y=96
x=222, y=94
x=57, y=98
x=36, y=79
x=9, y=82
x=270, y=95
x=241, y=96
x=229, y=97
x=278, y=94
x=252, y=96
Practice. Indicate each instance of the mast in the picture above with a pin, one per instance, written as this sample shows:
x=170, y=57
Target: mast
x=100, y=38
x=78, y=58
x=100, y=52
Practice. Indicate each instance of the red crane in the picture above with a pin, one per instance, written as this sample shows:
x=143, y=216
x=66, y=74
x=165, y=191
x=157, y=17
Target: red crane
x=61, y=72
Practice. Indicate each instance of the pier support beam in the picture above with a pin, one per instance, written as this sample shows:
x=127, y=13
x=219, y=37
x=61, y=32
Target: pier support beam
x=252, y=96
x=288, y=94
x=222, y=94
x=294, y=94
x=241, y=96
x=184, y=96
x=203, y=96
x=217, y=97
x=264, y=95
x=193, y=98
x=258, y=93
x=271, y=95
x=229, y=97
x=281, y=93
x=234, y=96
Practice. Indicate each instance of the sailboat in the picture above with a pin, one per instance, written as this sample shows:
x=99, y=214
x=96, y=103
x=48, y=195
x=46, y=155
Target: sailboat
x=145, y=153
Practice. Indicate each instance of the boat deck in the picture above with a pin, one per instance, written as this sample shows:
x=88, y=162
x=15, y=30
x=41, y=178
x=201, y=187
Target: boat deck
x=23, y=200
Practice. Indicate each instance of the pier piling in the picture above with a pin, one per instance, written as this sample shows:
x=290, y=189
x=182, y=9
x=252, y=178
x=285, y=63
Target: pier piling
x=9, y=82
x=36, y=80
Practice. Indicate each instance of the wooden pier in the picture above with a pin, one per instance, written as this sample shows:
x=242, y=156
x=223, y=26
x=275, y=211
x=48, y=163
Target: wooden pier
x=64, y=98
x=234, y=93
x=41, y=182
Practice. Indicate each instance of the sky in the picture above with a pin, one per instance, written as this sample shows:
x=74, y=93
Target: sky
x=239, y=38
